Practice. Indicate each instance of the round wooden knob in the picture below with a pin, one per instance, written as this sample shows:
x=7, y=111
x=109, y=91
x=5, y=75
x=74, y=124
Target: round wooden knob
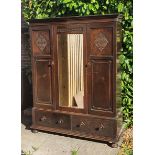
x=43, y=118
x=81, y=124
x=60, y=121
x=49, y=65
x=101, y=127
x=52, y=62
x=88, y=64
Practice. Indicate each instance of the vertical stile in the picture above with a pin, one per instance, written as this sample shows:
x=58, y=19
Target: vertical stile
x=71, y=60
x=68, y=49
x=81, y=40
x=72, y=64
x=75, y=64
x=78, y=52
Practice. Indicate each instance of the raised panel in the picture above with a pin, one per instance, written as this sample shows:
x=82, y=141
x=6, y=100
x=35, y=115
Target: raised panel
x=43, y=81
x=53, y=120
x=100, y=41
x=43, y=118
x=101, y=86
x=61, y=121
x=41, y=42
x=94, y=126
x=81, y=124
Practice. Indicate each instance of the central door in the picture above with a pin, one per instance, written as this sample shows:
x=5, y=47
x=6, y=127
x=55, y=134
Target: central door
x=70, y=58
x=70, y=70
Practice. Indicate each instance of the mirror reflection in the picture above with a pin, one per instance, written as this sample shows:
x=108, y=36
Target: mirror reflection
x=70, y=69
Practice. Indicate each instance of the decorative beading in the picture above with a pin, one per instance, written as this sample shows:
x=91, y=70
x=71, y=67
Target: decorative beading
x=41, y=42
x=101, y=41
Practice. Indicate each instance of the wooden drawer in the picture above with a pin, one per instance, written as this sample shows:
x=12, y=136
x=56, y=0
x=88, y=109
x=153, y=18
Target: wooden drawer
x=61, y=121
x=52, y=120
x=43, y=118
x=94, y=126
x=80, y=124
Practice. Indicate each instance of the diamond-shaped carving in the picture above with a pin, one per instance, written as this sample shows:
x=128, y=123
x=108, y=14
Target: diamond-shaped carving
x=41, y=42
x=101, y=41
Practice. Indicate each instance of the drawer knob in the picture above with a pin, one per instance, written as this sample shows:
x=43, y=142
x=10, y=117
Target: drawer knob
x=81, y=124
x=49, y=65
x=100, y=128
x=88, y=64
x=60, y=121
x=43, y=118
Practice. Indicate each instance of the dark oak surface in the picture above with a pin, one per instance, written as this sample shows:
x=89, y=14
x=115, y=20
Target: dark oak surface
x=100, y=118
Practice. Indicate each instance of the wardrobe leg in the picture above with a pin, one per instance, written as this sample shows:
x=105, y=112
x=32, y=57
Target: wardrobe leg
x=114, y=145
x=34, y=131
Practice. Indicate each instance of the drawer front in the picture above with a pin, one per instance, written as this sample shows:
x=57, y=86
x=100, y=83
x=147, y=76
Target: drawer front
x=94, y=126
x=80, y=124
x=43, y=118
x=104, y=127
x=52, y=120
x=61, y=121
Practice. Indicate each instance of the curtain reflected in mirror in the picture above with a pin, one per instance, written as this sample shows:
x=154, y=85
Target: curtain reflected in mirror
x=70, y=68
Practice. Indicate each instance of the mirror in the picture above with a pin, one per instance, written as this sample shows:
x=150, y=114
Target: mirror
x=70, y=70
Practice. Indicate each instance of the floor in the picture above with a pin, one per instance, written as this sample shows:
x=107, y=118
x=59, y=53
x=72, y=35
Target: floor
x=43, y=143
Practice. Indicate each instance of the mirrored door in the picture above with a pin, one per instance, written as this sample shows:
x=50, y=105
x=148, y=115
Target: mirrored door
x=70, y=70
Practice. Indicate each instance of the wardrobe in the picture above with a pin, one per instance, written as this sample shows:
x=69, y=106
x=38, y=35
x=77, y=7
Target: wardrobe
x=76, y=76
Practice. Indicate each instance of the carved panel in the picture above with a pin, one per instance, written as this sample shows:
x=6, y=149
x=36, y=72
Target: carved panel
x=43, y=79
x=101, y=41
x=40, y=42
x=101, y=87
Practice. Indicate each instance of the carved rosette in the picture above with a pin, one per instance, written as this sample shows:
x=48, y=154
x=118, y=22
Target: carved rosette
x=101, y=41
x=41, y=42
